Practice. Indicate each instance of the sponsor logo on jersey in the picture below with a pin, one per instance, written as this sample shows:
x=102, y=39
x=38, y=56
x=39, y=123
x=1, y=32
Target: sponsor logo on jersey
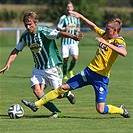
x=35, y=47
x=44, y=29
x=72, y=26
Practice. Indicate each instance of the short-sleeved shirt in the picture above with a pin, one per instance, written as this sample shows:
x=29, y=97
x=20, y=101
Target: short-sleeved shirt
x=105, y=56
x=43, y=47
x=98, y=71
x=72, y=23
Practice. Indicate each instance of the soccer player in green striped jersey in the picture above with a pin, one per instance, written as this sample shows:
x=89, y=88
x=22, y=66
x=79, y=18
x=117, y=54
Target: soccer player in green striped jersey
x=41, y=41
x=69, y=47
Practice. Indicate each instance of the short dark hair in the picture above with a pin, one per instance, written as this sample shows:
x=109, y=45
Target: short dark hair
x=69, y=2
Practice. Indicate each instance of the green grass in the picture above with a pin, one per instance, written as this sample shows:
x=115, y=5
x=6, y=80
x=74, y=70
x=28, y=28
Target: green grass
x=79, y=118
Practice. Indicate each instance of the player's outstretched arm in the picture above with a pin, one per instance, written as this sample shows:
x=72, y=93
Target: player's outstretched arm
x=88, y=22
x=76, y=37
x=4, y=69
x=11, y=58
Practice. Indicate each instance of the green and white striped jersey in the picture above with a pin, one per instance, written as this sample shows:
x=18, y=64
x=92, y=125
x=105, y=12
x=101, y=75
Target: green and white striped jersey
x=43, y=47
x=73, y=23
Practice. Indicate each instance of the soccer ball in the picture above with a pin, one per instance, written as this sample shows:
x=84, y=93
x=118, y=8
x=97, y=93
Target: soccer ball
x=15, y=111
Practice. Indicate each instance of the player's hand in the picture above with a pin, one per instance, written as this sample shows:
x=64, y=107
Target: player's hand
x=76, y=14
x=79, y=36
x=67, y=28
x=100, y=39
x=6, y=68
x=78, y=29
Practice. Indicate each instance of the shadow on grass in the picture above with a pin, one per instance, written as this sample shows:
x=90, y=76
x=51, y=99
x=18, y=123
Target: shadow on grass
x=72, y=117
x=19, y=77
x=106, y=117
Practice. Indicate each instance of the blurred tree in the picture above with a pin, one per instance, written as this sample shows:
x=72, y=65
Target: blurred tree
x=87, y=7
x=131, y=3
x=50, y=10
x=113, y=3
x=120, y=3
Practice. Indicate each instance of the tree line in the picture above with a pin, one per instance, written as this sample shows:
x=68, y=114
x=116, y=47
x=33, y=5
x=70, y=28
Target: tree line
x=116, y=3
x=50, y=10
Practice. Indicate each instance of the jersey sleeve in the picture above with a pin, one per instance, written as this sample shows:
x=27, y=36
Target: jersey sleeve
x=100, y=32
x=61, y=22
x=53, y=34
x=21, y=44
x=49, y=32
x=120, y=42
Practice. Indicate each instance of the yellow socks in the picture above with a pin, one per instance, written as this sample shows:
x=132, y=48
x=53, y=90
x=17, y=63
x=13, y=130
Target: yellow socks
x=50, y=96
x=114, y=110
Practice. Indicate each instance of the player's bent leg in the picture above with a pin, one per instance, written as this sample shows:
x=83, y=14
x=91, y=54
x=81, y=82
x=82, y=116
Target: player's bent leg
x=50, y=105
x=119, y=110
x=48, y=97
x=38, y=90
x=100, y=107
x=110, y=109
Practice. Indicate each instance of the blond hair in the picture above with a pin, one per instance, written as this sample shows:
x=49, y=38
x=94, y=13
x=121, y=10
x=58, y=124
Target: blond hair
x=117, y=23
x=30, y=15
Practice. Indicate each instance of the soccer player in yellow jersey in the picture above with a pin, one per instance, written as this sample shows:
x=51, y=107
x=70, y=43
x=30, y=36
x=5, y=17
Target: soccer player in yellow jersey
x=98, y=71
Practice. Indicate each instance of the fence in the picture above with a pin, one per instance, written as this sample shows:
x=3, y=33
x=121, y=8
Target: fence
x=19, y=29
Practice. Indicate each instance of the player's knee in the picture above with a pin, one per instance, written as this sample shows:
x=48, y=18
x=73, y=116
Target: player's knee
x=100, y=110
x=75, y=59
x=38, y=92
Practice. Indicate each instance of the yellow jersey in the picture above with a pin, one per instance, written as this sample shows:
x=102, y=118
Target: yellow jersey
x=105, y=56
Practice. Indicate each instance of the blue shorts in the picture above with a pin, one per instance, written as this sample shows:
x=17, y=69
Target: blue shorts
x=88, y=77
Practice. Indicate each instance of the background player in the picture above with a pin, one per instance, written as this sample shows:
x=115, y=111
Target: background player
x=69, y=47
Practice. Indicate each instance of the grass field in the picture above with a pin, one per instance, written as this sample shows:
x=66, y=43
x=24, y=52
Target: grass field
x=79, y=118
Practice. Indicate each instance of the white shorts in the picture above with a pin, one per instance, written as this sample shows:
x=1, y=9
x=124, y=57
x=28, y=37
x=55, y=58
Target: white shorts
x=52, y=76
x=71, y=49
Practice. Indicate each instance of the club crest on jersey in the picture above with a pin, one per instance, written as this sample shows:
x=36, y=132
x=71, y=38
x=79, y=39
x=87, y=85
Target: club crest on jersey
x=35, y=47
x=101, y=90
